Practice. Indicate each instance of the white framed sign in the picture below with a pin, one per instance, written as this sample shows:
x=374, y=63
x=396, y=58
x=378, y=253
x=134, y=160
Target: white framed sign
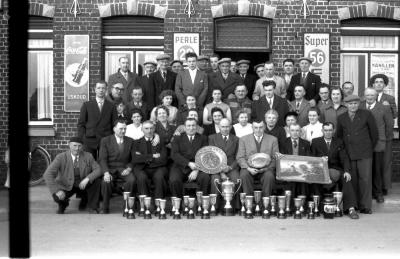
x=316, y=47
x=184, y=43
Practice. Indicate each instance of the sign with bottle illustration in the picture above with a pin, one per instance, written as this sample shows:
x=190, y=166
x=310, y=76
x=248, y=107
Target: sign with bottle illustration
x=76, y=71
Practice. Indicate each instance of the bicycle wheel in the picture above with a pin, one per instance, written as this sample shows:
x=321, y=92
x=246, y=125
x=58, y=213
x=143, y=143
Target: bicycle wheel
x=39, y=161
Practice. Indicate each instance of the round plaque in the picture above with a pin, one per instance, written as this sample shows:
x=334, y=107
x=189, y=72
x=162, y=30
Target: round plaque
x=259, y=160
x=211, y=159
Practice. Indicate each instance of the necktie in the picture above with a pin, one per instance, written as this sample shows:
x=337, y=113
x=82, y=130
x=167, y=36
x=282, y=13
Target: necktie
x=269, y=102
x=369, y=106
x=243, y=76
x=328, y=144
x=190, y=139
x=100, y=106
x=164, y=76
x=76, y=171
x=294, y=143
x=297, y=107
x=258, y=139
x=225, y=138
x=76, y=162
x=148, y=144
x=225, y=76
x=126, y=76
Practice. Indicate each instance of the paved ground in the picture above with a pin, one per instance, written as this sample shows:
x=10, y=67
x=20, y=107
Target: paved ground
x=80, y=234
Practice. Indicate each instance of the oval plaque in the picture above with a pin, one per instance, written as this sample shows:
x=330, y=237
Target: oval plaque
x=211, y=159
x=259, y=160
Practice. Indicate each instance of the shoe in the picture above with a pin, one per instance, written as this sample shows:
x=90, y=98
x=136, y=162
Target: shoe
x=62, y=206
x=105, y=211
x=366, y=211
x=384, y=192
x=353, y=214
x=380, y=199
x=82, y=205
x=93, y=211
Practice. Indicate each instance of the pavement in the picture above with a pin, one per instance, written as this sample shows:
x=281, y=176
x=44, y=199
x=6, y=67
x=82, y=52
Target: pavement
x=79, y=234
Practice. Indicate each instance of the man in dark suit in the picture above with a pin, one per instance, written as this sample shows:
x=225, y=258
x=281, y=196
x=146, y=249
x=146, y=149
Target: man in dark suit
x=138, y=103
x=96, y=119
x=191, y=81
x=74, y=171
x=300, y=105
x=384, y=122
x=338, y=164
x=183, y=152
x=379, y=82
x=258, y=142
x=223, y=79
x=115, y=159
x=239, y=103
x=229, y=144
x=310, y=81
x=270, y=101
x=116, y=93
x=249, y=80
x=160, y=80
x=150, y=162
x=358, y=130
x=125, y=77
x=144, y=80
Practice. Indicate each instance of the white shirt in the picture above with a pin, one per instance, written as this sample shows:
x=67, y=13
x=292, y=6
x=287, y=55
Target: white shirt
x=134, y=132
x=270, y=101
x=370, y=106
x=217, y=130
x=304, y=74
x=311, y=131
x=192, y=74
x=259, y=139
x=243, y=131
x=119, y=140
x=73, y=157
x=379, y=96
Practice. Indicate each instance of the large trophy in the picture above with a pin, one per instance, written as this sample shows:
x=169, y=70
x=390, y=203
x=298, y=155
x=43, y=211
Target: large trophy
x=190, y=214
x=177, y=204
x=338, y=196
x=227, y=193
x=257, y=199
x=265, y=214
x=125, y=210
x=205, y=203
x=213, y=201
x=242, y=196
x=157, y=203
x=281, y=206
x=303, y=202
x=316, y=200
x=172, y=212
x=297, y=204
x=288, y=195
x=199, y=194
x=147, y=213
x=249, y=207
x=131, y=203
x=273, y=204
x=185, y=205
x=310, y=214
x=141, y=200
x=162, y=215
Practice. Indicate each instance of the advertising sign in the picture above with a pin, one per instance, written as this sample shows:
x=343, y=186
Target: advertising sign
x=184, y=43
x=316, y=47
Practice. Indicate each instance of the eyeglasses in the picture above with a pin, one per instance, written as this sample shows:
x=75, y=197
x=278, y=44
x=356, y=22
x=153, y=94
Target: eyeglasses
x=119, y=89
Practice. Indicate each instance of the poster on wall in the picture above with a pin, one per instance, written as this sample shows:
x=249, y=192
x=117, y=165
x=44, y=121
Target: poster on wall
x=184, y=43
x=76, y=71
x=316, y=47
x=387, y=64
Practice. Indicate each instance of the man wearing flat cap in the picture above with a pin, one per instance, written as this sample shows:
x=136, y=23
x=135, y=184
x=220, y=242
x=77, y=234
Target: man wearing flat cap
x=74, y=171
x=176, y=66
x=249, y=80
x=310, y=81
x=224, y=79
x=144, y=80
x=357, y=128
x=160, y=80
x=203, y=63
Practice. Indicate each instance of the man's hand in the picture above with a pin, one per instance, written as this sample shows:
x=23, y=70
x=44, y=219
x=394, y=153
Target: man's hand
x=155, y=140
x=61, y=195
x=126, y=171
x=157, y=155
x=192, y=166
x=107, y=177
x=347, y=177
x=83, y=183
x=312, y=103
x=193, y=175
x=226, y=169
x=252, y=171
x=256, y=98
x=223, y=176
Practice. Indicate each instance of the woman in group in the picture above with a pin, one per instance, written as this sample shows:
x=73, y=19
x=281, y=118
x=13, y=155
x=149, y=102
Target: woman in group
x=332, y=111
x=216, y=95
x=183, y=111
x=166, y=97
x=217, y=115
x=271, y=119
x=314, y=127
x=134, y=130
x=163, y=128
x=243, y=127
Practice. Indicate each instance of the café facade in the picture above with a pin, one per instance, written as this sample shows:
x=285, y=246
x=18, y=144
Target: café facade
x=74, y=43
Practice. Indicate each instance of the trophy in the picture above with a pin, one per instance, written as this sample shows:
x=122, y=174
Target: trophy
x=131, y=202
x=185, y=205
x=338, y=196
x=213, y=201
x=242, y=202
x=281, y=206
x=297, y=204
x=205, y=203
x=190, y=214
x=303, y=202
x=228, y=192
x=257, y=199
x=316, y=200
x=288, y=195
x=147, y=213
x=157, y=203
x=162, y=215
x=172, y=212
x=273, y=204
x=177, y=204
x=199, y=194
x=125, y=210
x=249, y=207
x=265, y=214
x=141, y=200
x=310, y=214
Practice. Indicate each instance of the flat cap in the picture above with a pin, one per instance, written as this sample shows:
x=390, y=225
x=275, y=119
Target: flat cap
x=163, y=56
x=243, y=61
x=306, y=58
x=224, y=60
x=257, y=66
x=76, y=139
x=203, y=57
x=150, y=62
x=174, y=61
x=351, y=98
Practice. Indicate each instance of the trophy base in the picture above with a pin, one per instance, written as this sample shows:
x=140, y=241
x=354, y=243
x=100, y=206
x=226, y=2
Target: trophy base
x=205, y=216
x=311, y=216
x=317, y=214
x=297, y=216
x=281, y=216
x=338, y=214
x=273, y=213
x=141, y=213
x=162, y=216
x=125, y=214
x=147, y=216
x=130, y=216
x=248, y=216
x=242, y=212
x=228, y=212
x=288, y=213
x=265, y=216
x=172, y=213
x=257, y=213
x=199, y=213
x=213, y=213
x=177, y=216
x=190, y=216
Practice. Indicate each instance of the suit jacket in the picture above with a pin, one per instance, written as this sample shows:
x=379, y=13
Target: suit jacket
x=279, y=133
x=337, y=155
x=142, y=158
x=360, y=135
x=302, y=118
x=144, y=108
x=312, y=84
x=210, y=130
x=227, y=86
x=248, y=147
x=185, y=87
x=390, y=99
x=157, y=85
x=144, y=83
x=92, y=123
x=111, y=159
x=280, y=88
x=261, y=106
x=230, y=147
x=384, y=123
x=128, y=84
x=60, y=173
x=304, y=147
x=250, y=83
x=183, y=152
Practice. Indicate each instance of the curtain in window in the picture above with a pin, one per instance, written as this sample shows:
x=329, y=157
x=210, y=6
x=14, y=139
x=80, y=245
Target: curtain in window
x=369, y=42
x=112, y=63
x=353, y=69
x=44, y=84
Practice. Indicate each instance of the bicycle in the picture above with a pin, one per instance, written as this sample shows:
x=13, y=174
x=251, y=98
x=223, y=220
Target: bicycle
x=38, y=161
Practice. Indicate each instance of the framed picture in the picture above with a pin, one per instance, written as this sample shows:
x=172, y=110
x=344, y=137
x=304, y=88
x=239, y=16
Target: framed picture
x=306, y=169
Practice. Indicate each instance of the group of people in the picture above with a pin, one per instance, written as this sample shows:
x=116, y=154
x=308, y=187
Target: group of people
x=128, y=137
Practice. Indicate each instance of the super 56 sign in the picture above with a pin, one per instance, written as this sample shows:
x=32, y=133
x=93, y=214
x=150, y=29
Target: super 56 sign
x=316, y=47
x=184, y=43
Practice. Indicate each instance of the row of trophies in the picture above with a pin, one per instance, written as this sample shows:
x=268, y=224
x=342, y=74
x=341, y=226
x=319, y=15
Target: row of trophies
x=250, y=206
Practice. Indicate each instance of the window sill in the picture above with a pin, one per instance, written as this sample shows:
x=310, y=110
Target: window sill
x=41, y=131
